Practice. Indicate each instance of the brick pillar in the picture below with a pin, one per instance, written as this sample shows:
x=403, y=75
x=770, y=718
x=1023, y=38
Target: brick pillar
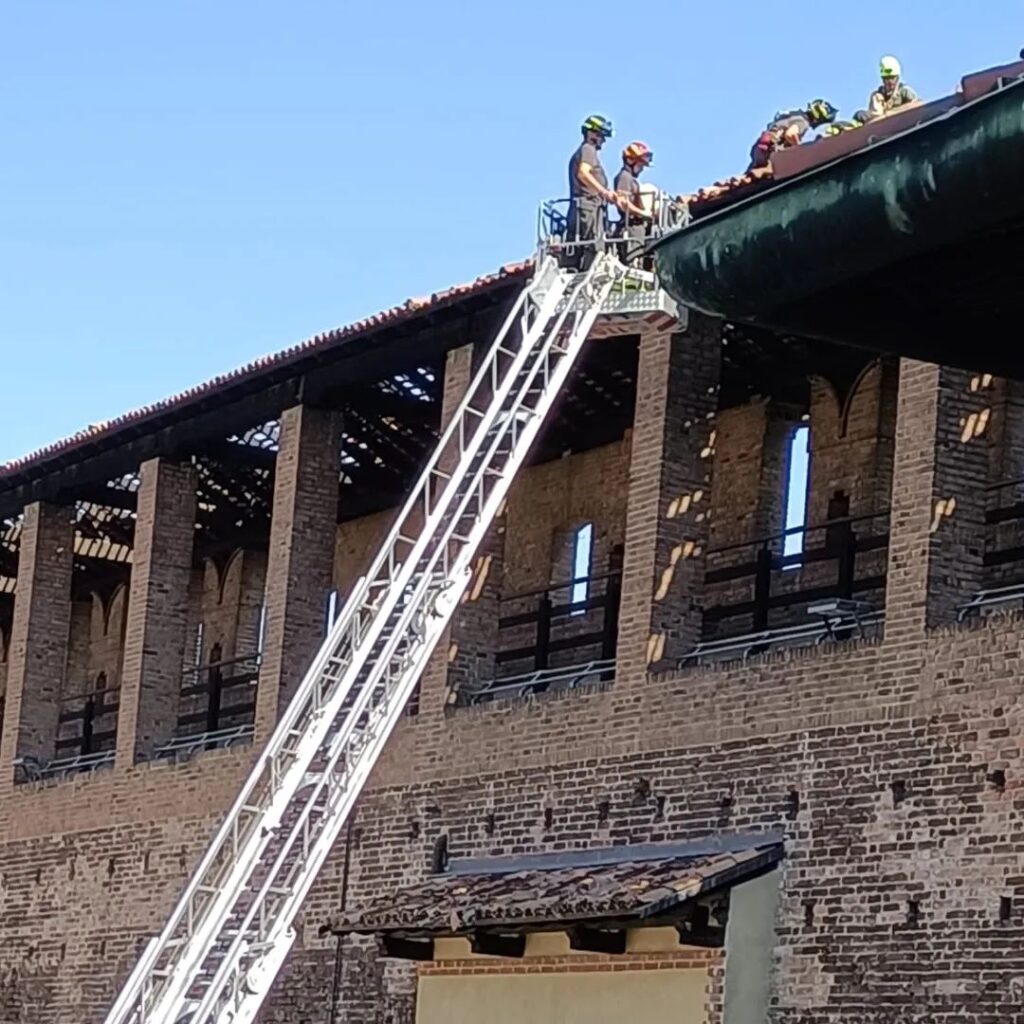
x=158, y=609
x=40, y=629
x=669, y=495
x=937, y=529
x=465, y=653
x=301, y=556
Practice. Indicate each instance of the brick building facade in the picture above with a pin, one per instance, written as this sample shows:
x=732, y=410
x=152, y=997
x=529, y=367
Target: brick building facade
x=644, y=655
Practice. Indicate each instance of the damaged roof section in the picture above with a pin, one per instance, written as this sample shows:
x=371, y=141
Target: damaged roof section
x=616, y=887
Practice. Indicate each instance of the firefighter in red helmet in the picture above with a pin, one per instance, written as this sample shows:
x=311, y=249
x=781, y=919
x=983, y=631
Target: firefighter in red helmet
x=635, y=223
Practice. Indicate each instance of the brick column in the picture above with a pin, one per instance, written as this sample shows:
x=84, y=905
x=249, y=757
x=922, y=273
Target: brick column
x=158, y=609
x=40, y=629
x=301, y=556
x=669, y=495
x=465, y=654
x=937, y=525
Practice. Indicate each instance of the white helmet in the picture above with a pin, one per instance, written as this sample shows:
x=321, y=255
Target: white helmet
x=890, y=68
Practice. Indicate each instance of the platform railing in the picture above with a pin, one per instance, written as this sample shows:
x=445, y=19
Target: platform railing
x=1004, y=528
x=552, y=637
x=217, y=705
x=754, y=585
x=558, y=231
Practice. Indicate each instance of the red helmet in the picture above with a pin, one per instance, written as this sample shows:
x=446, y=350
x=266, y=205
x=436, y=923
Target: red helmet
x=638, y=152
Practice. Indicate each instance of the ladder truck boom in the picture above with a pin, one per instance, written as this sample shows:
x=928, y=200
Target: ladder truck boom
x=232, y=928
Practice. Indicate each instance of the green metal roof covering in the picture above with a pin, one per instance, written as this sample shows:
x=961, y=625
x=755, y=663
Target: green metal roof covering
x=914, y=244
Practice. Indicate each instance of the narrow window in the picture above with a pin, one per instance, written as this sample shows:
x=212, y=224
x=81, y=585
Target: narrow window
x=796, y=491
x=197, y=654
x=582, y=553
x=262, y=631
x=330, y=610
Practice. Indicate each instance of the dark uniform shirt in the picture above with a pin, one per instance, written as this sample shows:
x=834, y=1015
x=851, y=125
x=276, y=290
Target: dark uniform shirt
x=588, y=154
x=782, y=124
x=772, y=137
x=627, y=185
x=880, y=104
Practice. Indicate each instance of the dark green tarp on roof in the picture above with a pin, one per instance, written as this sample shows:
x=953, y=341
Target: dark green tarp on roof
x=913, y=245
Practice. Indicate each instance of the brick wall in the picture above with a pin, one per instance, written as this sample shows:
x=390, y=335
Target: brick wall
x=96, y=645
x=895, y=769
x=156, y=633
x=892, y=755
x=299, y=562
x=38, y=653
x=87, y=868
x=852, y=442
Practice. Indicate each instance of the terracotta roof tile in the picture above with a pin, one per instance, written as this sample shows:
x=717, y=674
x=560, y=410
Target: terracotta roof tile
x=452, y=903
x=789, y=162
x=254, y=369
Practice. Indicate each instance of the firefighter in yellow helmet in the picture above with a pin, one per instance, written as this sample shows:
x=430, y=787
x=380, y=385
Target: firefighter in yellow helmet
x=891, y=95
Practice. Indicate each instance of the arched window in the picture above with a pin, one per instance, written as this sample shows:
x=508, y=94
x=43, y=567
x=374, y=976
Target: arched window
x=797, y=465
x=101, y=682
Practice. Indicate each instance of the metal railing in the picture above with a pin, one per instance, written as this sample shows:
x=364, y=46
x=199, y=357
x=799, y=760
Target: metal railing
x=87, y=723
x=760, y=586
x=551, y=637
x=181, y=748
x=1004, y=527
x=1003, y=555
x=218, y=696
x=570, y=677
x=560, y=232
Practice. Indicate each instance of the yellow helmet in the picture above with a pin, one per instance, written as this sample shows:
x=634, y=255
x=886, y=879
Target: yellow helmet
x=890, y=68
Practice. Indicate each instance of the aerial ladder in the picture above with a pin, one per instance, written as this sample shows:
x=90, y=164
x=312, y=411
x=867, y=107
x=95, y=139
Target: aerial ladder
x=232, y=928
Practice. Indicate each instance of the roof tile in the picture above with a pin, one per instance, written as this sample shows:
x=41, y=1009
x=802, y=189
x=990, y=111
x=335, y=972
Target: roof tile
x=631, y=889
x=324, y=340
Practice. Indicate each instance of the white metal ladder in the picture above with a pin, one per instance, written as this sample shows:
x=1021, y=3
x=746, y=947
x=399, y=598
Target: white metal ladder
x=232, y=928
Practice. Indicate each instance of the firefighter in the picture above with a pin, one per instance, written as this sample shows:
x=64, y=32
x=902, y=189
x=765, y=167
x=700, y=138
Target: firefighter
x=788, y=129
x=589, y=193
x=892, y=94
x=636, y=220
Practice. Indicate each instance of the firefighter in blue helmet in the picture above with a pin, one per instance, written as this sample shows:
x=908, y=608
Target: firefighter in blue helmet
x=589, y=193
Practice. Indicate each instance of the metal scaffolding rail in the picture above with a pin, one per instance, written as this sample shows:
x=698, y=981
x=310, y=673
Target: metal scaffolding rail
x=227, y=937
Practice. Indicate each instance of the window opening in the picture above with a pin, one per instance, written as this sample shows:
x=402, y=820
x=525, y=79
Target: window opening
x=330, y=610
x=197, y=653
x=796, y=491
x=582, y=555
x=262, y=631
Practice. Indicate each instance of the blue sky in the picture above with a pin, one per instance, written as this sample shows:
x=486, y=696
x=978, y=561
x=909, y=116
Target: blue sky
x=189, y=185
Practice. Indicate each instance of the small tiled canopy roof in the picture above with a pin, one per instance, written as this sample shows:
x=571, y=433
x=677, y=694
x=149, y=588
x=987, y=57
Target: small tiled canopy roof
x=644, y=889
